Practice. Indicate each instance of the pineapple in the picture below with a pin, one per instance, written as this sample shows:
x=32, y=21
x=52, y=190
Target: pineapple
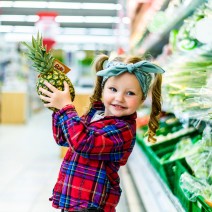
x=43, y=62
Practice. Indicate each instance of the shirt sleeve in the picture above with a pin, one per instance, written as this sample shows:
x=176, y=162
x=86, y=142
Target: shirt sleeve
x=57, y=129
x=96, y=141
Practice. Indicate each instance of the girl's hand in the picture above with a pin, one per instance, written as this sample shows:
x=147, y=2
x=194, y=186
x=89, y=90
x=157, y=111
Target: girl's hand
x=56, y=98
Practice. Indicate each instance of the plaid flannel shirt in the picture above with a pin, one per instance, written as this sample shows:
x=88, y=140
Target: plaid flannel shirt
x=89, y=172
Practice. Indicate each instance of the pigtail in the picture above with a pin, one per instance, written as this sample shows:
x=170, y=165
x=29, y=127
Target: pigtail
x=156, y=108
x=97, y=66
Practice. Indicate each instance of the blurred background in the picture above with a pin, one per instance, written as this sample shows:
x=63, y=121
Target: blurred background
x=175, y=174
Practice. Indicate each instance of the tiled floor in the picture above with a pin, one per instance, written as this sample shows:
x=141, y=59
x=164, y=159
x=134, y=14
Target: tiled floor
x=29, y=164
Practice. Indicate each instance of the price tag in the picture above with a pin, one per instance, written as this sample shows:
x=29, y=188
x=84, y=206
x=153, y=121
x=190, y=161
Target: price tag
x=60, y=66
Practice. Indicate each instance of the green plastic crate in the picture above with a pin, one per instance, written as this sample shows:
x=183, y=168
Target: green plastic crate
x=179, y=170
x=200, y=205
x=154, y=154
x=165, y=169
x=166, y=146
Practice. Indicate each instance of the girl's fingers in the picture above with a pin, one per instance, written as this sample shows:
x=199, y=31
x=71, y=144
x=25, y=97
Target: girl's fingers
x=45, y=98
x=50, y=86
x=47, y=105
x=66, y=86
x=44, y=91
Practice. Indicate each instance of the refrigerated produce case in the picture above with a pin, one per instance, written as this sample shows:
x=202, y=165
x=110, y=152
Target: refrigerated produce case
x=174, y=44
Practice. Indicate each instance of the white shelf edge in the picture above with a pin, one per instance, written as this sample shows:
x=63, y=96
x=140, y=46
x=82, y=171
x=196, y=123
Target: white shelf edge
x=154, y=193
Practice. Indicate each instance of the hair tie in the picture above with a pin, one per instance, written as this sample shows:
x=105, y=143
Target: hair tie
x=143, y=71
x=131, y=67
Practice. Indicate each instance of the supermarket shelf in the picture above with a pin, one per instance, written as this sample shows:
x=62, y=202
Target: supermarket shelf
x=154, y=193
x=137, y=13
x=155, y=41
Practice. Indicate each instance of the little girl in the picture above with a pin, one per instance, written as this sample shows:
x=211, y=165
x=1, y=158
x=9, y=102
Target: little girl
x=101, y=140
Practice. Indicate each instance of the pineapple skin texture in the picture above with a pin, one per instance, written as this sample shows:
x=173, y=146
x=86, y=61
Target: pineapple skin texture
x=55, y=78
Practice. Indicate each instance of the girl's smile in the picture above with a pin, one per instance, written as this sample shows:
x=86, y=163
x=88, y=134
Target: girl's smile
x=118, y=107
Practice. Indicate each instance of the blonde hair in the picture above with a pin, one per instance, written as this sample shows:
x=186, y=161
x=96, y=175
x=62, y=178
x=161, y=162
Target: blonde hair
x=153, y=124
x=98, y=66
x=156, y=108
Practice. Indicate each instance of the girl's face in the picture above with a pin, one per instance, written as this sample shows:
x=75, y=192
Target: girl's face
x=122, y=95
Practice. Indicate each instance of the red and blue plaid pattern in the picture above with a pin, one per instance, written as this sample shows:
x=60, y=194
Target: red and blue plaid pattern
x=89, y=173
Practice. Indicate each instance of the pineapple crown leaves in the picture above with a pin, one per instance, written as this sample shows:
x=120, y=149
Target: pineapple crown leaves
x=37, y=53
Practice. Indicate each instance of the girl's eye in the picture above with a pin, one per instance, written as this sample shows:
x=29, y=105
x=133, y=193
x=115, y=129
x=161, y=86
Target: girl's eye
x=113, y=89
x=130, y=93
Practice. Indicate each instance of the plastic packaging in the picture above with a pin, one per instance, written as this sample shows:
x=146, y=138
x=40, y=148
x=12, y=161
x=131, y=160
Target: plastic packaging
x=201, y=161
x=201, y=165
x=194, y=187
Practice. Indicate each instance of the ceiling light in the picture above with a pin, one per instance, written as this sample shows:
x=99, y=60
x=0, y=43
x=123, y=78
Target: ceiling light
x=6, y=28
x=30, y=4
x=27, y=29
x=99, y=6
x=62, y=19
x=32, y=18
x=101, y=19
x=86, y=19
x=21, y=18
x=126, y=20
x=100, y=31
x=6, y=4
x=17, y=37
x=64, y=5
x=13, y=17
x=64, y=31
x=69, y=19
x=119, y=7
x=73, y=31
x=85, y=39
x=60, y=5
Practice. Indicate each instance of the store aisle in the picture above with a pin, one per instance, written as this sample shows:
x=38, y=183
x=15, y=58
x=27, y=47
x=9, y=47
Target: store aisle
x=29, y=163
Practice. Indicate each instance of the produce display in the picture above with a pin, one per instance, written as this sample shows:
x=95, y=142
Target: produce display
x=193, y=148
x=186, y=37
x=187, y=81
x=201, y=165
x=187, y=84
x=187, y=145
x=49, y=69
x=183, y=154
x=194, y=187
